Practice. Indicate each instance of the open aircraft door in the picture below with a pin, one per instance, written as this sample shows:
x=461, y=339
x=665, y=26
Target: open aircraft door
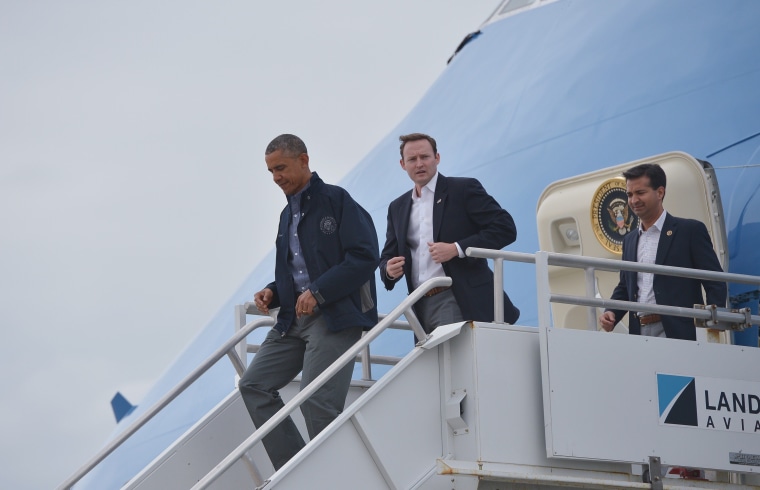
x=589, y=215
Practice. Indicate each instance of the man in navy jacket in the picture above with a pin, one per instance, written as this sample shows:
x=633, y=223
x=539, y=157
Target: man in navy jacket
x=429, y=230
x=326, y=255
x=666, y=240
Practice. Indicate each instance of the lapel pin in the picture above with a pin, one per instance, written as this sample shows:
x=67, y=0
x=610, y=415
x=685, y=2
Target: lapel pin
x=438, y=202
x=670, y=232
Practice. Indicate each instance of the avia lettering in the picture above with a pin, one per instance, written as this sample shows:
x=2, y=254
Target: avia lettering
x=724, y=423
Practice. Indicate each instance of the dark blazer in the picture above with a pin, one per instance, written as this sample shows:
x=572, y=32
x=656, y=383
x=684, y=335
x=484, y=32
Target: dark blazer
x=463, y=212
x=683, y=243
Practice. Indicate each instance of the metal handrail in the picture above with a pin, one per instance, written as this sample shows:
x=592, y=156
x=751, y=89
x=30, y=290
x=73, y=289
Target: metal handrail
x=541, y=259
x=226, y=349
x=403, y=308
x=738, y=320
x=365, y=358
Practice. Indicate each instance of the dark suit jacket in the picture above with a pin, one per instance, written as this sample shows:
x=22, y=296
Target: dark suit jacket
x=463, y=212
x=683, y=243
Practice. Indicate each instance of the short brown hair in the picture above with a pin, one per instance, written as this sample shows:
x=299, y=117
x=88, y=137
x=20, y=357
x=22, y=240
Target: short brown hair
x=406, y=138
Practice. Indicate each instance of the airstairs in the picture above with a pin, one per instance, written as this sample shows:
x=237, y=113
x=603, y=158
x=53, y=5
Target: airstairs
x=496, y=406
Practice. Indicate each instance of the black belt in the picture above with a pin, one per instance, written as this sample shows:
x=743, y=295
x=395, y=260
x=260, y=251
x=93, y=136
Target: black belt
x=435, y=291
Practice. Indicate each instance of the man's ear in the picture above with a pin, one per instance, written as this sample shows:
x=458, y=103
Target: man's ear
x=304, y=159
x=402, y=164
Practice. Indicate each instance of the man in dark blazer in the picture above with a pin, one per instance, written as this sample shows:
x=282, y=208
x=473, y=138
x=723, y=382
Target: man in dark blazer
x=666, y=240
x=429, y=230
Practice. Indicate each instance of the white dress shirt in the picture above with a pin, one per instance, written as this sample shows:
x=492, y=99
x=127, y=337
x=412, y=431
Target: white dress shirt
x=646, y=253
x=420, y=232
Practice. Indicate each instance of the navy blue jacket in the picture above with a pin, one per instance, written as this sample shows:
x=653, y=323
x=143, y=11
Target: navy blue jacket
x=339, y=244
x=683, y=243
x=464, y=213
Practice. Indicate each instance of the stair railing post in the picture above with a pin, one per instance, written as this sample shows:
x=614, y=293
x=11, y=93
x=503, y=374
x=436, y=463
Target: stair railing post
x=543, y=292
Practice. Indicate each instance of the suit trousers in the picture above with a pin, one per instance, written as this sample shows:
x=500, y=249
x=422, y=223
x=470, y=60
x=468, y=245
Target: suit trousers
x=308, y=347
x=437, y=310
x=653, y=330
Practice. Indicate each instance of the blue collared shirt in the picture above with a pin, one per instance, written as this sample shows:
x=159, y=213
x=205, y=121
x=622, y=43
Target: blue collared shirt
x=296, y=261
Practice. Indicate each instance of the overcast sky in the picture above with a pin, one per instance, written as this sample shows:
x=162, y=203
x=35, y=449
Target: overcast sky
x=134, y=198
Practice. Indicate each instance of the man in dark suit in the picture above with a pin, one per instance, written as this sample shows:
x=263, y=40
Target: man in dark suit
x=666, y=240
x=429, y=230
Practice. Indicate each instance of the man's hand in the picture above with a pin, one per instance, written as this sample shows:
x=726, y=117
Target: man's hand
x=607, y=321
x=305, y=304
x=262, y=300
x=394, y=268
x=442, y=252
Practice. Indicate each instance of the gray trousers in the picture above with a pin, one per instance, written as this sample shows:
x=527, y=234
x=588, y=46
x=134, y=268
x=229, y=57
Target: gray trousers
x=653, y=330
x=434, y=311
x=309, y=347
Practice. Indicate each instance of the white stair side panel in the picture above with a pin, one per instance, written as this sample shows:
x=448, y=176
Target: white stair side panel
x=209, y=441
x=591, y=418
x=201, y=448
x=510, y=401
x=401, y=419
